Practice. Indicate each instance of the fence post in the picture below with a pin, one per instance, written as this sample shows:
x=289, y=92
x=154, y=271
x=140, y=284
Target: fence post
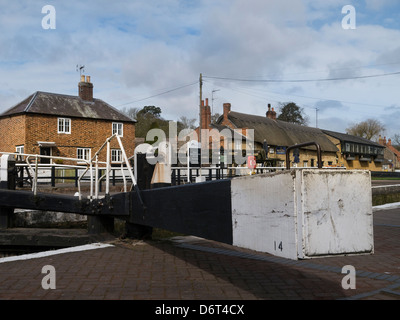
x=7, y=181
x=173, y=177
x=53, y=176
x=144, y=173
x=21, y=177
x=76, y=177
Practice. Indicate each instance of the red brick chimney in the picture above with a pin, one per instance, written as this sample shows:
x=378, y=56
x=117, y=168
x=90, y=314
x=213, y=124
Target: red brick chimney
x=205, y=115
x=271, y=114
x=227, y=109
x=85, y=89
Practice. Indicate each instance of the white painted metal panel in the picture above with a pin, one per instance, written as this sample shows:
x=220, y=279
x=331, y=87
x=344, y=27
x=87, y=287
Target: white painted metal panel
x=263, y=213
x=4, y=166
x=303, y=213
x=336, y=212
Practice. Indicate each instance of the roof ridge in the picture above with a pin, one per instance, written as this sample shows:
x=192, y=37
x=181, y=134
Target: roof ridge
x=31, y=101
x=117, y=110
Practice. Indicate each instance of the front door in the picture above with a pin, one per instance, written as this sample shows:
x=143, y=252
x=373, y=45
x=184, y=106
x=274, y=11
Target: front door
x=45, y=151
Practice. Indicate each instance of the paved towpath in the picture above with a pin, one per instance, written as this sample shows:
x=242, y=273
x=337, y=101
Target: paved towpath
x=190, y=268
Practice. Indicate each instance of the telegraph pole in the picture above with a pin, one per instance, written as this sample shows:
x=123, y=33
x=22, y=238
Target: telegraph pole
x=201, y=97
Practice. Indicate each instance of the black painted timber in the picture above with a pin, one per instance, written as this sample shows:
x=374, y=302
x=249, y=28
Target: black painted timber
x=201, y=209
x=111, y=206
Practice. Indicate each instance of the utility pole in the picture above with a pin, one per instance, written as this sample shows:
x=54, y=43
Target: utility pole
x=316, y=117
x=201, y=97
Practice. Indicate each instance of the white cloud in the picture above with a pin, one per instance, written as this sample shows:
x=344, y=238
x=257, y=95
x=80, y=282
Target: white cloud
x=135, y=49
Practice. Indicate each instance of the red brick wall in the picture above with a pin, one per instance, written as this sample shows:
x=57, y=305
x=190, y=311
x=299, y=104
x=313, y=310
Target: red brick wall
x=12, y=133
x=85, y=133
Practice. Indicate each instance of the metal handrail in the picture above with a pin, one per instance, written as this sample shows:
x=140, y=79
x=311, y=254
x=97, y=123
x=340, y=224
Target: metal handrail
x=304, y=145
x=90, y=164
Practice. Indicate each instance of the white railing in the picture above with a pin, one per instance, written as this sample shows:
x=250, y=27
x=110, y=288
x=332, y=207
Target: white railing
x=33, y=165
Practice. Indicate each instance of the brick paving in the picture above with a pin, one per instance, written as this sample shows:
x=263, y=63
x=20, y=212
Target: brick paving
x=190, y=268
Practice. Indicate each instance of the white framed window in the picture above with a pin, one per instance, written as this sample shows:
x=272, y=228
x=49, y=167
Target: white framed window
x=116, y=155
x=118, y=128
x=20, y=149
x=64, y=125
x=83, y=153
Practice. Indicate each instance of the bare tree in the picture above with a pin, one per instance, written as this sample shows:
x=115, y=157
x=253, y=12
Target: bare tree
x=131, y=112
x=368, y=129
x=186, y=123
x=396, y=139
x=215, y=117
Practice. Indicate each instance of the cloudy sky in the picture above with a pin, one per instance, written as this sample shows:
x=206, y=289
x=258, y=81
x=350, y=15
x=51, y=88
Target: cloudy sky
x=151, y=52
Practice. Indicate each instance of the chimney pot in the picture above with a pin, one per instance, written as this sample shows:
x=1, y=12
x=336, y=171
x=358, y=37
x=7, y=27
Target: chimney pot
x=227, y=109
x=271, y=113
x=85, y=89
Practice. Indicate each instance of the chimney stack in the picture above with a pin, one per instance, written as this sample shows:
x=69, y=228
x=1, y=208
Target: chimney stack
x=271, y=114
x=227, y=109
x=85, y=89
x=205, y=114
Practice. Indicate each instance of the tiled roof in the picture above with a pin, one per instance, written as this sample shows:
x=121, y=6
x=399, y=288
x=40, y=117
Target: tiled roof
x=66, y=106
x=350, y=138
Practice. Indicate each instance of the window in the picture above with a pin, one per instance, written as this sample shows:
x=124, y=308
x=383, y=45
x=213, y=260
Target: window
x=116, y=155
x=117, y=128
x=64, y=125
x=83, y=153
x=19, y=149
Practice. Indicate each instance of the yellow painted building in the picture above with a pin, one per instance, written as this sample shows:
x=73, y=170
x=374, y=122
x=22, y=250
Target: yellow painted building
x=357, y=153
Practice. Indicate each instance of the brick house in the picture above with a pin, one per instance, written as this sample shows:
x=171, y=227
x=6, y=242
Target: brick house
x=66, y=126
x=221, y=138
x=392, y=155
